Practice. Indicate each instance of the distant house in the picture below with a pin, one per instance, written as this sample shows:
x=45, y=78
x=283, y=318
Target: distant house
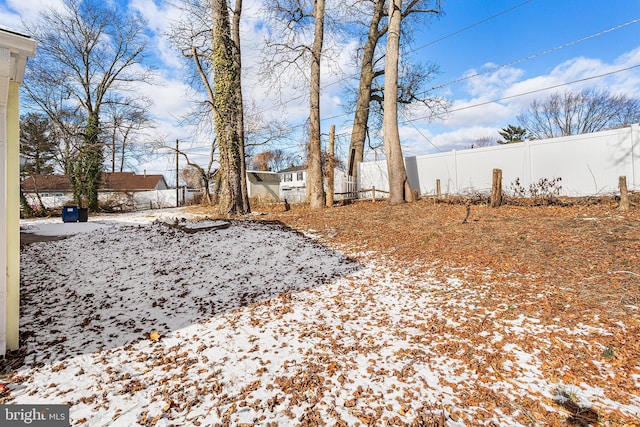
x=293, y=184
x=263, y=185
x=117, y=189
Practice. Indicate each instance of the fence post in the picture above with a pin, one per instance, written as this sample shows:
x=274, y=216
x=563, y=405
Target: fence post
x=496, y=188
x=624, y=195
x=438, y=191
x=373, y=194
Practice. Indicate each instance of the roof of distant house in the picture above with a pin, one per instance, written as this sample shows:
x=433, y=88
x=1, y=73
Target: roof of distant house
x=265, y=177
x=293, y=169
x=129, y=181
x=111, y=181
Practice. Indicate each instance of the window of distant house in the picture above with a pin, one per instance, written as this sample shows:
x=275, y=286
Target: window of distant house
x=45, y=194
x=300, y=176
x=287, y=177
x=58, y=194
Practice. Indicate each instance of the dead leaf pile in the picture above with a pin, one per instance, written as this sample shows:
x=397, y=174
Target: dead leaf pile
x=484, y=323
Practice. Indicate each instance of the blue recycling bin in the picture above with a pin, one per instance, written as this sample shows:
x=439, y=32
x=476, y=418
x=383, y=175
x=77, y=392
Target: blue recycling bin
x=70, y=214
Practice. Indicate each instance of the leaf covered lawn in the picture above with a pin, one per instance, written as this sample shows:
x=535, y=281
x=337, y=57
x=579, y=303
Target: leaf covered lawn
x=377, y=315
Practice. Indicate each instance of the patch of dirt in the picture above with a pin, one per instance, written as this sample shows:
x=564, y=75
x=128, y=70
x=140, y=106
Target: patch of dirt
x=28, y=238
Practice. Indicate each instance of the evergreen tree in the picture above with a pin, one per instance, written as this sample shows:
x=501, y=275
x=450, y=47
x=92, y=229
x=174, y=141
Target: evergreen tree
x=512, y=134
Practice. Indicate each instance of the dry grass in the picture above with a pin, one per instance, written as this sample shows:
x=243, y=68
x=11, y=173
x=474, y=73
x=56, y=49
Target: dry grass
x=564, y=265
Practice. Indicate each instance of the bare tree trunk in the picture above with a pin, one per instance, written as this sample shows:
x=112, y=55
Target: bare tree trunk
x=237, y=12
x=496, y=188
x=225, y=112
x=395, y=162
x=361, y=117
x=624, y=193
x=314, y=156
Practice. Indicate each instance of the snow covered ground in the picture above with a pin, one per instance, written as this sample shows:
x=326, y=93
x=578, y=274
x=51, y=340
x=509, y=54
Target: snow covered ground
x=131, y=320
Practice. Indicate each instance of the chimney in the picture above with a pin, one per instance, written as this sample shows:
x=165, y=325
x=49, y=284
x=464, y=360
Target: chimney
x=145, y=173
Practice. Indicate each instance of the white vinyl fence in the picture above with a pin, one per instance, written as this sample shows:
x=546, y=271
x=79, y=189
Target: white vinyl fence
x=588, y=164
x=124, y=201
x=156, y=199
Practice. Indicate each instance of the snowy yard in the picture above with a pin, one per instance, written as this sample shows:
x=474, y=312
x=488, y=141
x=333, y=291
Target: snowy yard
x=132, y=321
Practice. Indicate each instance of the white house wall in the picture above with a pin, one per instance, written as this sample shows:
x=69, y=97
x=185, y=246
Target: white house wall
x=14, y=50
x=295, y=191
x=263, y=190
x=588, y=164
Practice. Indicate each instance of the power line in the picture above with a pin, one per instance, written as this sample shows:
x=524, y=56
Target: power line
x=470, y=26
x=344, y=79
x=493, y=69
x=536, y=55
x=533, y=91
x=419, y=132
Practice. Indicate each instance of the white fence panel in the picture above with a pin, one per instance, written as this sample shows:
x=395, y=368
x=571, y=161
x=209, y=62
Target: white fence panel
x=373, y=174
x=156, y=199
x=588, y=164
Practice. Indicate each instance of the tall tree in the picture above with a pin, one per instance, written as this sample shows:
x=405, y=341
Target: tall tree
x=87, y=50
x=367, y=74
x=315, y=182
x=512, y=134
x=210, y=39
x=235, y=33
x=124, y=124
x=226, y=112
x=297, y=40
x=399, y=188
x=36, y=144
x=393, y=150
x=39, y=149
x=574, y=113
x=412, y=77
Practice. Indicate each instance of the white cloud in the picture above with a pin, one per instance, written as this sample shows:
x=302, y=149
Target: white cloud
x=473, y=113
x=416, y=141
x=159, y=19
x=14, y=12
x=492, y=84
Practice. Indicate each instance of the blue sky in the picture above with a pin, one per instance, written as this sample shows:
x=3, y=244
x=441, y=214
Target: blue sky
x=528, y=28
x=521, y=29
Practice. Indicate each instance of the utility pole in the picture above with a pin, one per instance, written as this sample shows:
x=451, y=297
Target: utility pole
x=177, y=177
x=331, y=166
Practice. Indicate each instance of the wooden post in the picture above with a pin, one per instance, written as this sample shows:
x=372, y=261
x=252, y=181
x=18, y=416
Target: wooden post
x=624, y=194
x=373, y=194
x=438, y=191
x=331, y=166
x=496, y=188
x=177, y=174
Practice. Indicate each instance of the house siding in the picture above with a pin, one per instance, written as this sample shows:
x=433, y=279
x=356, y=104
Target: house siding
x=293, y=185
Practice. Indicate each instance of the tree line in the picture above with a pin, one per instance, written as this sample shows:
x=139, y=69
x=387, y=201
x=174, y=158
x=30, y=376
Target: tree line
x=92, y=59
